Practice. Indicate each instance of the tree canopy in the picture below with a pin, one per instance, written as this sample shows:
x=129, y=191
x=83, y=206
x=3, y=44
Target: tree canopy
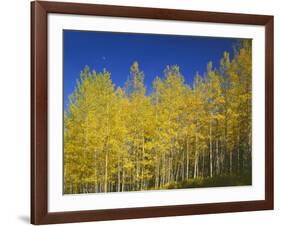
x=123, y=139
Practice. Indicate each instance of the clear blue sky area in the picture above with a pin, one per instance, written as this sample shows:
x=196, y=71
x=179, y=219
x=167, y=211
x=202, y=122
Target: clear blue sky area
x=117, y=51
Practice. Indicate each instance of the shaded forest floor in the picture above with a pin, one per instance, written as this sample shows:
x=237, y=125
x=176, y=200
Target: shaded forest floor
x=199, y=182
x=216, y=181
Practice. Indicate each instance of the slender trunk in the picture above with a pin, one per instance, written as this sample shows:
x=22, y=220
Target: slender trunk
x=203, y=163
x=238, y=154
x=177, y=172
x=143, y=164
x=106, y=149
x=163, y=169
x=241, y=159
x=95, y=170
x=182, y=166
x=158, y=158
x=106, y=171
x=170, y=151
x=119, y=179
x=171, y=165
x=230, y=162
x=217, y=157
x=136, y=183
x=222, y=166
x=196, y=158
x=123, y=179
x=168, y=170
x=187, y=160
x=196, y=153
x=156, y=172
x=211, y=151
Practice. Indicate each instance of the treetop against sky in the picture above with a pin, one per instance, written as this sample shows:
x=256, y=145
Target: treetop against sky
x=117, y=51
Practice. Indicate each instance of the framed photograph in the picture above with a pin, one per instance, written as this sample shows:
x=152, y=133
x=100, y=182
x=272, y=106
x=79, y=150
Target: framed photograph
x=147, y=112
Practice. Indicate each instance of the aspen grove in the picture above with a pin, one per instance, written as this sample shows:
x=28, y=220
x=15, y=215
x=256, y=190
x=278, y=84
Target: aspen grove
x=120, y=139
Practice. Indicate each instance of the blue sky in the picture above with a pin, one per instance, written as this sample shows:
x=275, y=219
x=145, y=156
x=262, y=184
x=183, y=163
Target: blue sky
x=117, y=51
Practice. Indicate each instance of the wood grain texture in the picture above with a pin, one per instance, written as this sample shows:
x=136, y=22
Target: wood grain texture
x=39, y=112
x=269, y=113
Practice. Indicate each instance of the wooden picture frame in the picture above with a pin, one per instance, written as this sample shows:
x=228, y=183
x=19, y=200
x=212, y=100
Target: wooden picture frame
x=39, y=112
